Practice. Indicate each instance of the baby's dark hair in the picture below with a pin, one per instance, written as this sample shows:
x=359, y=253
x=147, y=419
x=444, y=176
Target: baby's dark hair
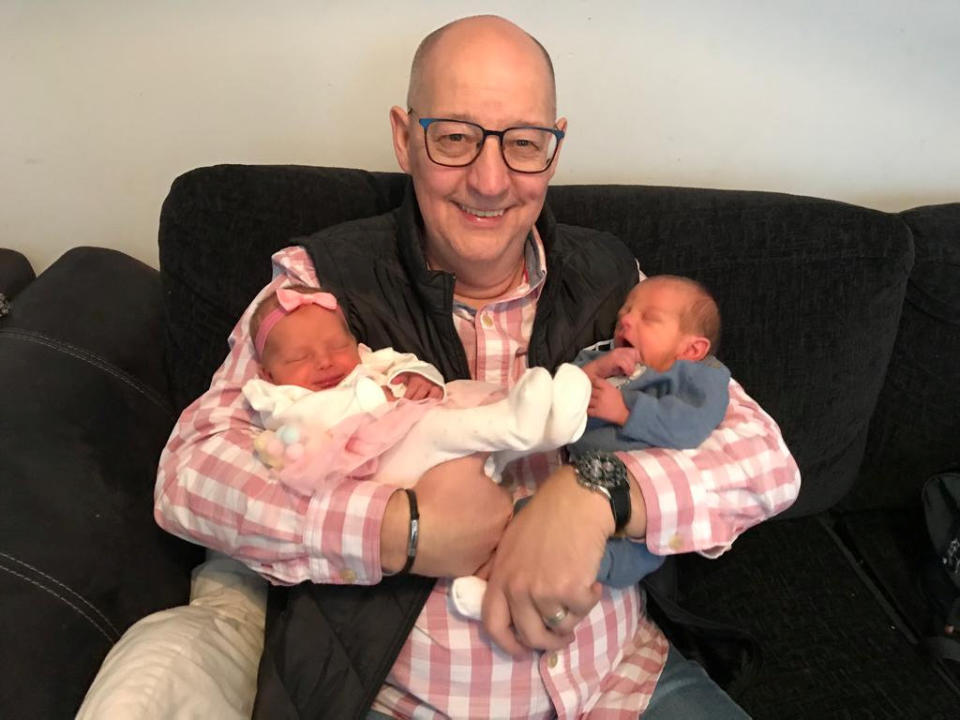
x=702, y=317
x=270, y=303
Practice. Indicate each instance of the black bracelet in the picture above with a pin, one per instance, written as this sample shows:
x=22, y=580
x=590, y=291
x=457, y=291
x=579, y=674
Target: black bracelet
x=414, y=531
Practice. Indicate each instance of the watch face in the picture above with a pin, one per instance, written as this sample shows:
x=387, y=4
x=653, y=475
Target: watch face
x=601, y=468
x=605, y=473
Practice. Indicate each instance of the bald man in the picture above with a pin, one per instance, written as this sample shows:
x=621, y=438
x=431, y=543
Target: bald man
x=472, y=274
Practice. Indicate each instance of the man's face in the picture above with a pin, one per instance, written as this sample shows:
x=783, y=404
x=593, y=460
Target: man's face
x=650, y=322
x=477, y=215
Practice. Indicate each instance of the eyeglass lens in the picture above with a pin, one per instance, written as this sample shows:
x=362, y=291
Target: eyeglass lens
x=459, y=143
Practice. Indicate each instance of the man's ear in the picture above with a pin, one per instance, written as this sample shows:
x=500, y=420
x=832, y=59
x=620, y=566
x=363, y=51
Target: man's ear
x=694, y=348
x=400, y=127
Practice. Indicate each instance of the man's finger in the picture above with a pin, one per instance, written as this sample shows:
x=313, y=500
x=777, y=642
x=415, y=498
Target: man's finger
x=582, y=603
x=558, y=618
x=483, y=572
x=496, y=621
x=532, y=628
x=576, y=607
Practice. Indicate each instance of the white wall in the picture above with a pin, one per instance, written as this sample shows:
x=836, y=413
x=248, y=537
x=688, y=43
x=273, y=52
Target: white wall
x=104, y=102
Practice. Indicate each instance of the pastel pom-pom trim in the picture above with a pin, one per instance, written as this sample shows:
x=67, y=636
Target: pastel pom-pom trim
x=294, y=452
x=289, y=434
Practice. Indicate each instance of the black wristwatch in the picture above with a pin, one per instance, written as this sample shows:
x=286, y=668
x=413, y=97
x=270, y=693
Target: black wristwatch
x=605, y=473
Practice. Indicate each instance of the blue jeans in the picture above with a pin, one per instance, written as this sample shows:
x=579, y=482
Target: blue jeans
x=684, y=692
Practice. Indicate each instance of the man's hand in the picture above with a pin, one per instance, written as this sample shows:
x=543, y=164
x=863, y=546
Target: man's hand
x=606, y=402
x=619, y=361
x=418, y=387
x=547, y=563
x=462, y=516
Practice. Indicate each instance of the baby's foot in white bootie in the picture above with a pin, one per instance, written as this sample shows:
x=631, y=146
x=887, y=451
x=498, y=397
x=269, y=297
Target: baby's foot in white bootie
x=531, y=401
x=466, y=594
x=568, y=412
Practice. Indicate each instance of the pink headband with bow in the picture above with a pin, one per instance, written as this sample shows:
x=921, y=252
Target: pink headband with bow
x=289, y=301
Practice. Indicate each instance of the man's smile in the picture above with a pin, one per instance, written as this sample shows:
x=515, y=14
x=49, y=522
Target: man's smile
x=477, y=212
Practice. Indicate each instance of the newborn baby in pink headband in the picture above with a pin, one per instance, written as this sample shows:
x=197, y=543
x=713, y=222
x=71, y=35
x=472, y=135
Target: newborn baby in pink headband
x=333, y=408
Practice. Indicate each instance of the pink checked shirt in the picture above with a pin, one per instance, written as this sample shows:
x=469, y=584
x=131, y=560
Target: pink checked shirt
x=211, y=489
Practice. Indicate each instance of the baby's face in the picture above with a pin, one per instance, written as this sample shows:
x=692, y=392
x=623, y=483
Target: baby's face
x=649, y=321
x=309, y=348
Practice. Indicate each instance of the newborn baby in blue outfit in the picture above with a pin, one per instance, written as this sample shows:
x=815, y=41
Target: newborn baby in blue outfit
x=654, y=384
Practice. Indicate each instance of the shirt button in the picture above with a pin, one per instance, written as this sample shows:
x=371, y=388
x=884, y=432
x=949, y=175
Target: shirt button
x=487, y=320
x=348, y=576
x=552, y=660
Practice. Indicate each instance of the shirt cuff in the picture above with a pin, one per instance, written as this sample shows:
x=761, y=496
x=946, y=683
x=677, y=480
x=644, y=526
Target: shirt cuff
x=342, y=533
x=669, y=530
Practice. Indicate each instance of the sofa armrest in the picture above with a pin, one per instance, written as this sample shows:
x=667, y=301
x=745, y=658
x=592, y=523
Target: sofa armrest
x=102, y=302
x=83, y=419
x=915, y=428
x=15, y=273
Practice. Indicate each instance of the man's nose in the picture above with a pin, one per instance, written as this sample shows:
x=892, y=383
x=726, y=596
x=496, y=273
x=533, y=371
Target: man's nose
x=488, y=174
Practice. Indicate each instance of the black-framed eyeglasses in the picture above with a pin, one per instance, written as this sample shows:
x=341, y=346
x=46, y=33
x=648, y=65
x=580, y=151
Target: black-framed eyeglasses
x=457, y=143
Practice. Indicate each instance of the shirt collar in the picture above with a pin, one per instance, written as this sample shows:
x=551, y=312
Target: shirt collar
x=534, y=274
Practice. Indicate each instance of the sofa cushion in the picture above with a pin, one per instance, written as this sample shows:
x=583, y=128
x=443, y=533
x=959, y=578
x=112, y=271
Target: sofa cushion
x=15, y=273
x=80, y=555
x=102, y=302
x=192, y=661
x=915, y=430
x=830, y=648
x=809, y=291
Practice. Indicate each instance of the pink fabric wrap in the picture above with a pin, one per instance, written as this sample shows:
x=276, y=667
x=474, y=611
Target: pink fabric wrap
x=354, y=446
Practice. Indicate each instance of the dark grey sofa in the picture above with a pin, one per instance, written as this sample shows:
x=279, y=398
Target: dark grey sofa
x=843, y=322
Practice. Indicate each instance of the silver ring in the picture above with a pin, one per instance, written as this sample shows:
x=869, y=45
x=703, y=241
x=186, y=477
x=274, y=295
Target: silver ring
x=556, y=618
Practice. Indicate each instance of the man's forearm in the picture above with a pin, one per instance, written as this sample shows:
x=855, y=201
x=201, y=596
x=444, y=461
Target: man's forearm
x=700, y=500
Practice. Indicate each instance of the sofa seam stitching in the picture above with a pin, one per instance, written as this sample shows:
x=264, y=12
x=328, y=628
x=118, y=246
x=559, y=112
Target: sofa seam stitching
x=62, y=599
x=89, y=358
x=67, y=588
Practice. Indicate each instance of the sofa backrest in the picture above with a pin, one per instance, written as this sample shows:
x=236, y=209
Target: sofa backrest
x=218, y=228
x=810, y=290
x=915, y=429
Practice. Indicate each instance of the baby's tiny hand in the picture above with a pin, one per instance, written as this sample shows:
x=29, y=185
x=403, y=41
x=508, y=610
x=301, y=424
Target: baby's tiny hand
x=418, y=387
x=619, y=361
x=606, y=403
x=622, y=361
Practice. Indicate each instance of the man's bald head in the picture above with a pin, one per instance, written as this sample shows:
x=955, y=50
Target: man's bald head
x=479, y=28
